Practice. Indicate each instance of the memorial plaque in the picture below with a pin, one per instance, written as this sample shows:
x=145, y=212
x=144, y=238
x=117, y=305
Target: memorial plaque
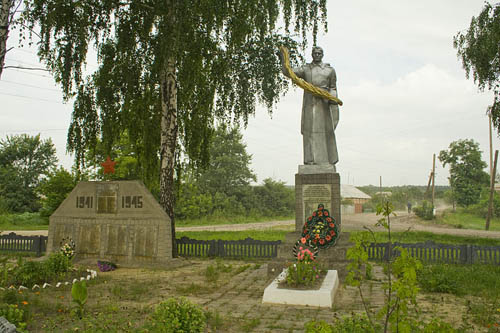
x=106, y=198
x=313, y=195
x=118, y=221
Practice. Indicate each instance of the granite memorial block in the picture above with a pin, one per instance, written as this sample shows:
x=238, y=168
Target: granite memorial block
x=119, y=221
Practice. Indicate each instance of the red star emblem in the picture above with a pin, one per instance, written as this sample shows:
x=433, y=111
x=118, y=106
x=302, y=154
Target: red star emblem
x=109, y=166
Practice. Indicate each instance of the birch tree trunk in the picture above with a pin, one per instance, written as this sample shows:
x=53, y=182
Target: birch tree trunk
x=4, y=29
x=169, y=128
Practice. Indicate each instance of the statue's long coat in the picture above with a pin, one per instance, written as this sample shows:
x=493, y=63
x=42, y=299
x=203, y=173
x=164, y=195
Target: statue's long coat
x=319, y=116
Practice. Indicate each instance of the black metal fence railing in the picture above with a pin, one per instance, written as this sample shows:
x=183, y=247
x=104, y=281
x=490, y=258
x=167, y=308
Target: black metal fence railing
x=431, y=252
x=250, y=248
x=16, y=243
x=428, y=252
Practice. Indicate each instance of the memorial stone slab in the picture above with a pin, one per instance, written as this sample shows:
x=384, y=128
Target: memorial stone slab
x=119, y=221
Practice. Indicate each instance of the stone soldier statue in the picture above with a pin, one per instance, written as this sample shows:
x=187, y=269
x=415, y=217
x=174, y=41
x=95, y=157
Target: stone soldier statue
x=320, y=114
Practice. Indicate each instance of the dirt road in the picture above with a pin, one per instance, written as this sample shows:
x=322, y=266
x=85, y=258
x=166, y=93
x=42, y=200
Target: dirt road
x=351, y=222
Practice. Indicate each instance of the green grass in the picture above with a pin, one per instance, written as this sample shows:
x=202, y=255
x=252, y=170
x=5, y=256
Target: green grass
x=241, y=219
x=461, y=280
x=423, y=236
x=24, y=221
x=464, y=220
x=268, y=234
x=279, y=234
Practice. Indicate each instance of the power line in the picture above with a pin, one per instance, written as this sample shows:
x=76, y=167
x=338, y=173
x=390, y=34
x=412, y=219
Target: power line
x=29, y=85
x=22, y=62
x=28, y=73
x=33, y=130
x=33, y=98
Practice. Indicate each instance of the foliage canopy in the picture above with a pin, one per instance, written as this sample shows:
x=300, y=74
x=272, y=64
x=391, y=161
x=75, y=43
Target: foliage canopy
x=479, y=49
x=467, y=176
x=24, y=161
x=167, y=69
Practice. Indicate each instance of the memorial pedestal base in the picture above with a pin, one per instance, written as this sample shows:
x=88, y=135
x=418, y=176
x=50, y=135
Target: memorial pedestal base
x=322, y=297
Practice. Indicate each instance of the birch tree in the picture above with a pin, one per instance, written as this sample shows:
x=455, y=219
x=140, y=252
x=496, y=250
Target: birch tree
x=168, y=69
x=479, y=49
x=7, y=11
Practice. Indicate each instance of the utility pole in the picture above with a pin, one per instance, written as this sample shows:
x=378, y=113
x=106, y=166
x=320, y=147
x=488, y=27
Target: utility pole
x=492, y=189
x=428, y=186
x=380, y=183
x=492, y=174
x=433, y=177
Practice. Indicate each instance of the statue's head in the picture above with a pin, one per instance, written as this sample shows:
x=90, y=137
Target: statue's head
x=317, y=53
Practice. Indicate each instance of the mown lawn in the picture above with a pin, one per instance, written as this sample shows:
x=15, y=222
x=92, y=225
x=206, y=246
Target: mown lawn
x=279, y=234
x=464, y=220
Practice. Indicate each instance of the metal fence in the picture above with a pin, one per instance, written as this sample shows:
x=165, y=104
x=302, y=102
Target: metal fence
x=431, y=252
x=250, y=248
x=428, y=252
x=17, y=243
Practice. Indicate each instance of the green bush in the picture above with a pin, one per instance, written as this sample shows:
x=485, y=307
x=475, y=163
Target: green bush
x=360, y=324
x=23, y=219
x=10, y=296
x=58, y=263
x=14, y=316
x=348, y=324
x=28, y=273
x=455, y=279
x=54, y=189
x=425, y=211
x=481, y=208
x=437, y=278
x=179, y=316
x=318, y=327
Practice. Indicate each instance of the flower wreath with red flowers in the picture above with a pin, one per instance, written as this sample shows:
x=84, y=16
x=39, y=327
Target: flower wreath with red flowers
x=320, y=229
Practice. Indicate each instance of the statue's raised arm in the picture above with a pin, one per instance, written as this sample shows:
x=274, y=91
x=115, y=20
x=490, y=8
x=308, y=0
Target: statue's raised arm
x=287, y=70
x=320, y=108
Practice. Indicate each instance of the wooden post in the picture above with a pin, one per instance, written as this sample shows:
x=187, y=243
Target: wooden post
x=492, y=176
x=433, y=176
x=492, y=189
x=428, y=186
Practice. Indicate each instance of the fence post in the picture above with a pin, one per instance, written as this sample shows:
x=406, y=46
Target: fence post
x=212, y=248
x=470, y=258
x=473, y=254
x=220, y=248
x=387, y=254
x=37, y=246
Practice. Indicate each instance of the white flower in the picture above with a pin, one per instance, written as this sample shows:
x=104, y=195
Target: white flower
x=75, y=281
x=58, y=284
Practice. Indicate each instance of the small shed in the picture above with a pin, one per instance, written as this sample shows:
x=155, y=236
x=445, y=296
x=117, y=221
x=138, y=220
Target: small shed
x=358, y=197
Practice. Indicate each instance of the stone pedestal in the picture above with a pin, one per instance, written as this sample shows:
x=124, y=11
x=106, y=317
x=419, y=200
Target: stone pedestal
x=312, y=189
x=314, y=185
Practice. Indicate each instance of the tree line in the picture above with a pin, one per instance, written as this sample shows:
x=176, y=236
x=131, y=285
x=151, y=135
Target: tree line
x=30, y=180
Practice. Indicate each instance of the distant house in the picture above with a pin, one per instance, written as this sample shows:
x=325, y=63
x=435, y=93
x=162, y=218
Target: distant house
x=349, y=192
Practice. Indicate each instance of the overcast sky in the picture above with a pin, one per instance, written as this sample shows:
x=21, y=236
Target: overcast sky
x=404, y=91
